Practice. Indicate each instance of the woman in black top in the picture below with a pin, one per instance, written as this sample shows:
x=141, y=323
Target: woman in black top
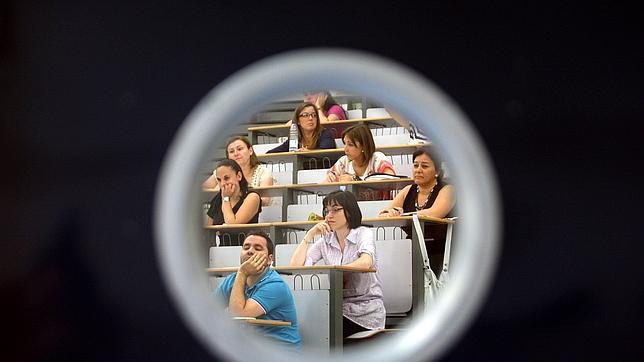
x=311, y=134
x=234, y=203
x=428, y=196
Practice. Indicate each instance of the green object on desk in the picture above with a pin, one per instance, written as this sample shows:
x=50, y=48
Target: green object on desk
x=315, y=217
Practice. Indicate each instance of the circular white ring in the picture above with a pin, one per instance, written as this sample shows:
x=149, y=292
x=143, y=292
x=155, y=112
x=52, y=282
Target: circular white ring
x=177, y=217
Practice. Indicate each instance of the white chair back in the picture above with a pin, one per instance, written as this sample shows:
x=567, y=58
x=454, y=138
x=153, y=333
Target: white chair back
x=377, y=112
x=394, y=273
x=283, y=178
x=270, y=214
x=224, y=256
x=371, y=208
x=354, y=114
x=311, y=176
x=298, y=212
x=283, y=253
x=262, y=148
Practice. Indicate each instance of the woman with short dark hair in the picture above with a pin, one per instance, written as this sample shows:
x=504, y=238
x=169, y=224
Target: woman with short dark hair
x=343, y=241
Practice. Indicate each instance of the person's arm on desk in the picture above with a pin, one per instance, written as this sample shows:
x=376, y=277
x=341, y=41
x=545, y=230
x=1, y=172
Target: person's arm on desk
x=238, y=305
x=395, y=207
x=364, y=261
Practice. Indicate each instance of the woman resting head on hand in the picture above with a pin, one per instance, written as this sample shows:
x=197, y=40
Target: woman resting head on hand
x=241, y=151
x=234, y=203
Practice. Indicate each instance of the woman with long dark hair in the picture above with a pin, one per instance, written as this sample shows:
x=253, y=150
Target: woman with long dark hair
x=311, y=134
x=234, y=203
x=240, y=150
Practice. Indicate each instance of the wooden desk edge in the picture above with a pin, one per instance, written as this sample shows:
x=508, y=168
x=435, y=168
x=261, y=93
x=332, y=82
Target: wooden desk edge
x=329, y=184
x=337, y=150
x=367, y=221
x=344, y=121
x=300, y=268
x=268, y=322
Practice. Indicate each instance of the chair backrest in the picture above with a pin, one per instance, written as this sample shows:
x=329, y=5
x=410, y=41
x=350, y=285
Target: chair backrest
x=224, y=256
x=270, y=214
x=283, y=178
x=371, y=208
x=262, y=148
x=377, y=112
x=391, y=140
x=297, y=212
x=283, y=253
x=354, y=113
x=406, y=169
x=313, y=319
x=311, y=176
x=394, y=272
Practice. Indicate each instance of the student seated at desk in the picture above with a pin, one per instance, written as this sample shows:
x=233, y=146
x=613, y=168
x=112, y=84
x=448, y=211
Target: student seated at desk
x=344, y=242
x=327, y=108
x=311, y=134
x=241, y=151
x=234, y=203
x=360, y=157
x=256, y=290
x=428, y=196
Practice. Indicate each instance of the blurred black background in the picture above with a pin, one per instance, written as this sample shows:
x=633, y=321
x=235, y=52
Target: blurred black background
x=92, y=94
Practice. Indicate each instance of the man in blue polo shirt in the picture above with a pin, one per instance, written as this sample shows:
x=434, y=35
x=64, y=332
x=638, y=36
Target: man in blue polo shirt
x=256, y=290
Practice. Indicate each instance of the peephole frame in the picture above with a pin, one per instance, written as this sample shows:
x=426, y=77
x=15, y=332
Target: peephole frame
x=177, y=215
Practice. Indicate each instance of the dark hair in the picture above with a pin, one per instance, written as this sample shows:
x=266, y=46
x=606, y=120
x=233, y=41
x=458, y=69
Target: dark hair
x=254, y=161
x=435, y=159
x=318, y=128
x=348, y=201
x=243, y=184
x=330, y=102
x=361, y=134
x=269, y=243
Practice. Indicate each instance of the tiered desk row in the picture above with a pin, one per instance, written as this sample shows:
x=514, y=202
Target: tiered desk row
x=401, y=263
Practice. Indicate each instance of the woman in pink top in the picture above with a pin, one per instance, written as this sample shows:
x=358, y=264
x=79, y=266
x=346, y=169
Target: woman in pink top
x=328, y=109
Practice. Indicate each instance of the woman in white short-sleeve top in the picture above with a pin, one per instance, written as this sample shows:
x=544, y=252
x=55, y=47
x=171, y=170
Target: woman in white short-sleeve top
x=360, y=157
x=343, y=241
x=241, y=151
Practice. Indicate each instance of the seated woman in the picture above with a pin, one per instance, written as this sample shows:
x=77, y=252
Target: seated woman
x=360, y=157
x=344, y=242
x=234, y=203
x=312, y=135
x=240, y=149
x=428, y=196
x=327, y=109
